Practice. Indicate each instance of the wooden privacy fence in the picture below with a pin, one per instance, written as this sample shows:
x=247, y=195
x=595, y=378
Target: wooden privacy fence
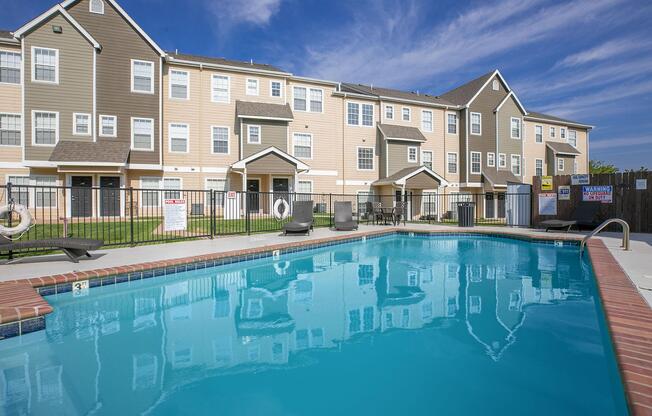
x=629, y=203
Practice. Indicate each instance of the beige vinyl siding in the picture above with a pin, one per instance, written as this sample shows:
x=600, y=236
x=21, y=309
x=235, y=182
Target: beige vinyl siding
x=355, y=137
x=73, y=93
x=504, y=140
x=11, y=102
x=272, y=133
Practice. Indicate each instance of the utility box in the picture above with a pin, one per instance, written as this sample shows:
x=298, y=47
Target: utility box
x=466, y=214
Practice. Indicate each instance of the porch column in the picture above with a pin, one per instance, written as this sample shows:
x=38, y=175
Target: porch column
x=244, y=190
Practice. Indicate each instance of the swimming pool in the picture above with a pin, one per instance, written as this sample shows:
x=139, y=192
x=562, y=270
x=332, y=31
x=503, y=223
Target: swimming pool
x=394, y=325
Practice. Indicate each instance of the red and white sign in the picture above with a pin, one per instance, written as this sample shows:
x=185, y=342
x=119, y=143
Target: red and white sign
x=175, y=215
x=230, y=195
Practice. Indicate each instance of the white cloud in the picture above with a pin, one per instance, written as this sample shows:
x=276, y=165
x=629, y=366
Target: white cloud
x=231, y=13
x=609, y=49
x=620, y=142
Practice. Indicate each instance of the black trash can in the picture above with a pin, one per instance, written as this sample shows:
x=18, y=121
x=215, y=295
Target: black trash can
x=465, y=214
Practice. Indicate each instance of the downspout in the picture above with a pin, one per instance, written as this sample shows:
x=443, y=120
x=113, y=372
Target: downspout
x=339, y=87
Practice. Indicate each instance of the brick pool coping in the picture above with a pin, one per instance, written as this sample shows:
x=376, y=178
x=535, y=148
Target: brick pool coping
x=22, y=307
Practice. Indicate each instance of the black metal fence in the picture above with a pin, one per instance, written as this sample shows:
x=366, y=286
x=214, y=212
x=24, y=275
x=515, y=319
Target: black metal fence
x=132, y=216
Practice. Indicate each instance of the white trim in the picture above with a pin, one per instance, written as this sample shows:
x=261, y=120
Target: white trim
x=20, y=125
x=88, y=164
x=94, y=115
x=187, y=97
x=222, y=67
x=432, y=121
x=228, y=139
x=12, y=165
x=416, y=154
x=242, y=164
x=352, y=182
x=535, y=134
x=518, y=103
x=308, y=88
x=312, y=186
x=499, y=164
x=360, y=113
x=561, y=165
x=520, y=128
x=56, y=8
x=385, y=111
x=90, y=7
x=496, y=73
x=144, y=166
x=403, y=180
x=315, y=172
x=260, y=134
x=184, y=169
x=312, y=144
x=409, y=119
x=535, y=166
x=357, y=158
x=457, y=122
x=245, y=117
x=471, y=123
x=247, y=86
x=74, y=124
x=401, y=139
x=228, y=88
x=520, y=164
x=187, y=127
x=432, y=157
x=272, y=81
x=151, y=81
x=493, y=164
x=214, y=170
x=115, y=126
x=562, y=153
x=20, y=69
x=56, y=133
x=56, y=66
x=457, y=164
x=559, y=123
x=151, y=148
x=479, y=171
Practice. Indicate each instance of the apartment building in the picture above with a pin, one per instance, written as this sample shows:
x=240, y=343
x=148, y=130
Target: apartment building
x=87, y=98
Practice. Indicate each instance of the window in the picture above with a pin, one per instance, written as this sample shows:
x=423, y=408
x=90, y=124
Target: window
x=108, y=126
x=142, y=76
x=275, y=88
x=19, y=192
x=552, y=132
x=299, y=98
x=96, y=6
x=476, y=123
x=476, y=162
x=452, y=123
x=172, y=185
x=316, y=100
x=502, y=160
x=367, y=115
x=353, y=117
x=494, y=85
x=46, y=128
x=178, y=136
x=150, y=196
x=451, y=159
x=252, y=86
x=45, y=65
x=560, y=164
x=516, y=165
x=179, y=83
x=426, y=159
x=538, y=167
x=538, y=134
x=219, y=186
x=301, y=95
x=10, y=63
x=220, y=137
x=562, y=133
x=302, y=145
x=572, y=138
x=253, y=134
x=304, y=187
x=426, y=121
x=515, y=128
x=81, y=124
x=491, y=159
x=389, y=112
x=142, y=133
x=45, y=196
x=407, y=114
x=10, y=128
x=412, y=154
x=365, y=158
x=574, y=166
x=220, y=89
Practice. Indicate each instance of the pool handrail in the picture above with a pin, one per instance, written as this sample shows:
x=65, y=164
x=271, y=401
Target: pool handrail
x=600, y=227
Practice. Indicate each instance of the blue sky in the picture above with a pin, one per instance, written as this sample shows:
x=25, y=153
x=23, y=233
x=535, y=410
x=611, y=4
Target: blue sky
x=588, y=60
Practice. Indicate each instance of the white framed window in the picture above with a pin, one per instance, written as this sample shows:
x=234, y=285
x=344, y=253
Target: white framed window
x=367, y=115
x=572, y=138
x=108, y=126
x=304, y=187
x=538, y=134
x=412, y=153
x=308, y=99
x=476, y=162
x=502, y=160
x=179, y=84
x=142, y=76
x=451, y=123
x=560, y=164
x=275, y=89
x=516, y=165
x=45, y=197
x=142, y=134
x=358, y=114
x=45, y=128
x=316, y=100
x=389, y=112
x=10, y=64
x=220, y=140
x=81, y=124
x=491, y=160
x=299, y=102
x=538, y=167
x=252, y=87
x=476, y=123
x=219, y=186
x=494, y=85
x=45, y=65
x=178, y=137
x=365, y=158
x=552, y=132
x=96, y=6
x=150, y=196
x=574, y=166
x=406, y=113
x=19, y=193
x=10, y=129
x=451, y=162
x=426, y=121
x=515, y=130
x=253, y=134
x=302, y=145
x=352, y=114
x=172, y=187
x=562, y=133
x=426, y=158
x=220, y=88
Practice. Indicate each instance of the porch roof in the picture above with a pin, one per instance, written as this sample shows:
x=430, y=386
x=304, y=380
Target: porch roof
x=270, y=160
x=499, y=178
x=395, y=132
x=263, y=111
x=403, y=177
x=560, y=148
x=86, y=153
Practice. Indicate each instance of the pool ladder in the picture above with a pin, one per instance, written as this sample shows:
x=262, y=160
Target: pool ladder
x=601, y=227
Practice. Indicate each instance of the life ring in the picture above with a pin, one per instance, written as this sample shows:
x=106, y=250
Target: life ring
x=281, y=267
x=280, y=216
x=26, y=220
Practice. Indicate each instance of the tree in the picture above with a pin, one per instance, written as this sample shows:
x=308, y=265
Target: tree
x=598, y=166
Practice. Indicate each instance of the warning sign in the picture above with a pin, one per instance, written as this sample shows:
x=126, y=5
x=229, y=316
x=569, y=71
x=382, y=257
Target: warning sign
x=602, y=193
x=546, y=183
x=175, y=216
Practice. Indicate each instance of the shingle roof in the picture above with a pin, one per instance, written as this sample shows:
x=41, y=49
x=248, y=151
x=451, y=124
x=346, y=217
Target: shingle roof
x=6, y=34
x=392, y=131
x=534, y=114
x=392, y=93
x=463, y=94
x=248, y=109
x=391, y=179
x=222, y=61
x=563, y=148
x=499, y=177
x=105, y=151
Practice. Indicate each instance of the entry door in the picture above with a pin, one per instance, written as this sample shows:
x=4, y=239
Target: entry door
x=489, y=205
x=253, y=195
x=110, y=196
x=81, y=196
x=501, y=205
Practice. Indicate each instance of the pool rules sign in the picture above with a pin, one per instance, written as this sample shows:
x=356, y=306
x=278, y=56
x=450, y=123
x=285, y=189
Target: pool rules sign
x=175, y=216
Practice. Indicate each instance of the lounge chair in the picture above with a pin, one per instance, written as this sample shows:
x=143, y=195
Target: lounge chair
x=344, y=216
x=73, y=247
x=302, y=218
x=399, y=213
x=583, y=215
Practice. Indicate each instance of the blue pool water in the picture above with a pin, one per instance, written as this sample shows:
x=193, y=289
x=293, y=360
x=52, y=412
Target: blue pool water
x=396, y=325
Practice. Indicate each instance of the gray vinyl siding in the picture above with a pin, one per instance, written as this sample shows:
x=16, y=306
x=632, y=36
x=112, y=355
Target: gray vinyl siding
x=551, y=163
x=73, y=93
x=397, y=154
x=461, y=160
x=271, y=163
x=120, y=44
x=505, y=142
x=421, y=181
x=381, y=151
x=273, y=133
